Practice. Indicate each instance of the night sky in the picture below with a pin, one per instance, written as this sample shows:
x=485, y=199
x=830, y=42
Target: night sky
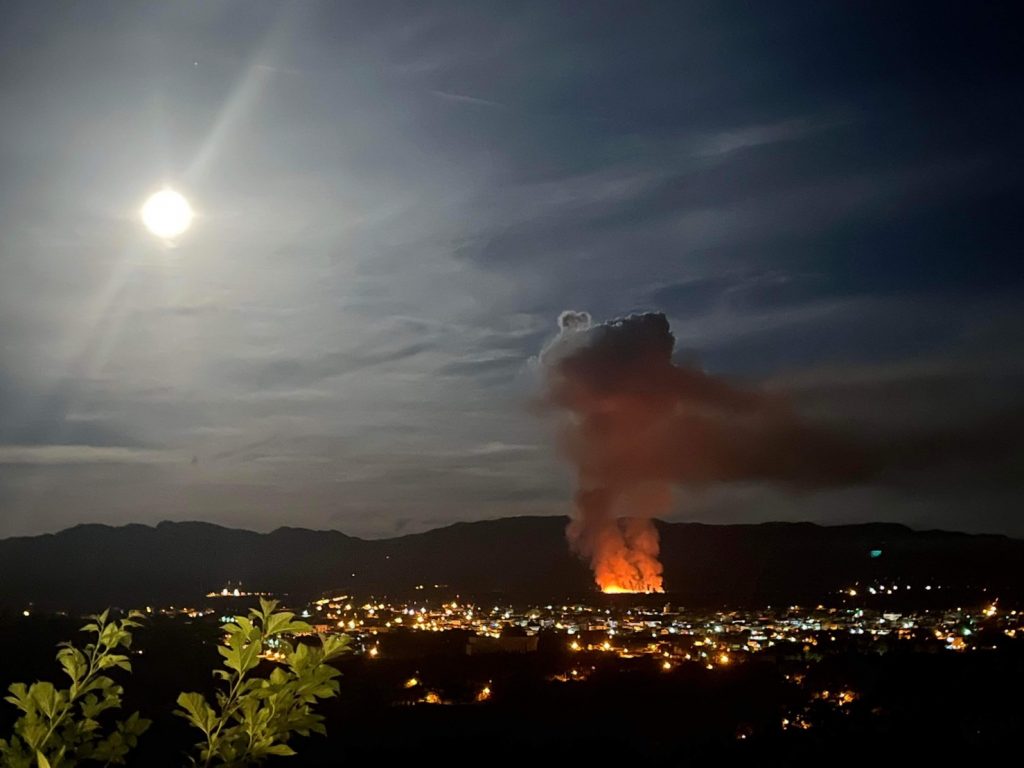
x=395, y=202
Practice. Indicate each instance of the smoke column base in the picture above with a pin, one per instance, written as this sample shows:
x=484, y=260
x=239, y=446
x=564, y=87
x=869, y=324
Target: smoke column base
x=613, y=589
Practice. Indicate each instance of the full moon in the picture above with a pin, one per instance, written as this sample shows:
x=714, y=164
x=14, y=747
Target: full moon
x=166, y=214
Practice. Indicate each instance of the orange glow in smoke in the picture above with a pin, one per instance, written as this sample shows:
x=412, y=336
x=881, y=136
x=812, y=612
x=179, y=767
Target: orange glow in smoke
x=624, y=556
x=636, y=425
x=615, y=589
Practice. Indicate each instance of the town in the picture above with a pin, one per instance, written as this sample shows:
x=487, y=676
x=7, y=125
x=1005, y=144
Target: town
x=641, y=632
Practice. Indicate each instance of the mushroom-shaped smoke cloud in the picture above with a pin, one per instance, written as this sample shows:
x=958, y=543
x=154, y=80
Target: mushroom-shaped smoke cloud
x=638, y=425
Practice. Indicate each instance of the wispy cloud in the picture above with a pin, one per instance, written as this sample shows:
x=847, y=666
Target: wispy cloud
x=734, y=140
x=86, y=454
x=465, y=99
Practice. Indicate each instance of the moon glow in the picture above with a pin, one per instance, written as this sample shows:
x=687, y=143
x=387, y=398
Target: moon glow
x=166, y=214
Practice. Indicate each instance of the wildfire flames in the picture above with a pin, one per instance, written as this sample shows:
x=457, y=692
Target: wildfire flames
x=638, y=425
x=624, y=556
x=615, y=589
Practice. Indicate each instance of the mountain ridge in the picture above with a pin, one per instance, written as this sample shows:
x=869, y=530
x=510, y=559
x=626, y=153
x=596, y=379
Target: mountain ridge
x=695, y=524
x=177, y=562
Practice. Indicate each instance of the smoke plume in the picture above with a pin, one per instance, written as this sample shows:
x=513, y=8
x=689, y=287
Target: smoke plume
x=638, y=425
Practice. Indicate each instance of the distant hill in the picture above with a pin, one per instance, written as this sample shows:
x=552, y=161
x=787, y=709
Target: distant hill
x=89, y=566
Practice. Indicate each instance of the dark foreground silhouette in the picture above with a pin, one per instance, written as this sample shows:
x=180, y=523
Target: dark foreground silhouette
x=910, y=700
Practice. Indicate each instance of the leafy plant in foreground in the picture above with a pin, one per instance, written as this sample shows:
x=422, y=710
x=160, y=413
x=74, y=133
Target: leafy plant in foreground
x=255, y=717
x=59, y=727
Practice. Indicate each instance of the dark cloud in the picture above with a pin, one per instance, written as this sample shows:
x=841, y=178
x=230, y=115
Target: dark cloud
x=931, y=425
x=645, y=418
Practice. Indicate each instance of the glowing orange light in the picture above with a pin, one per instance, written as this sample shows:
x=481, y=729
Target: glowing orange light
x=615, y=589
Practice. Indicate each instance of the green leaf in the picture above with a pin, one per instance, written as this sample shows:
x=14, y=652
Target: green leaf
x=95, y=625
x=282, y=750
x=46, y=698
x=19, y=697
x=246, y=625
x=251, y=656
x=197, y=711
x=109, y=636
x=41, y=760
x=278, y=623
x=300, y=628
x=73, y=661
x=266, y=608
x=115, y=660
x=335, y=645
x=241, y=656
x=135, y=725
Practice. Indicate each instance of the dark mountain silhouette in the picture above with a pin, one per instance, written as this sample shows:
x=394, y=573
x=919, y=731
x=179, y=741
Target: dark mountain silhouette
x=91, y=566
